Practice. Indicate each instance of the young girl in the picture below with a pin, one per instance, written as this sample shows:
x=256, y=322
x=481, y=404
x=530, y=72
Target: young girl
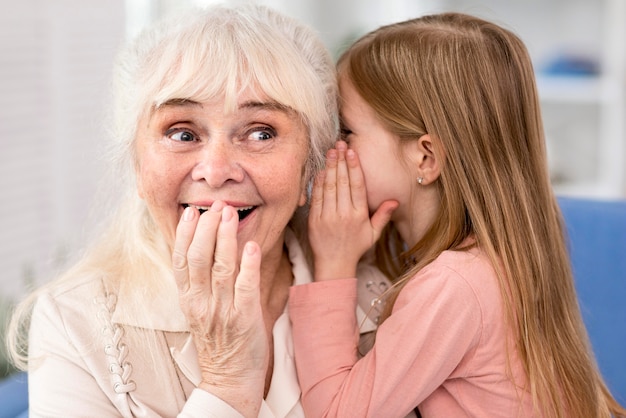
x=482, y=318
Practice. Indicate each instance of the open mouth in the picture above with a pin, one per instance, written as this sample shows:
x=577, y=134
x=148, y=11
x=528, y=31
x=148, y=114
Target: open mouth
x=242, y=212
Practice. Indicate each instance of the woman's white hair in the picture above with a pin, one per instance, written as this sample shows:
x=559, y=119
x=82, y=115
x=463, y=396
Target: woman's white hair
x=221, y=51
x=202, y=54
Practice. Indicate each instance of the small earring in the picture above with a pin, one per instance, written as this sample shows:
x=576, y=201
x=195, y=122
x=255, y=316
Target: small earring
x=420, y=180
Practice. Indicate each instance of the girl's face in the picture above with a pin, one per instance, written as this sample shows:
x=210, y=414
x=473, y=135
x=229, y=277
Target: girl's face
x=385, y=159
x=192, y=153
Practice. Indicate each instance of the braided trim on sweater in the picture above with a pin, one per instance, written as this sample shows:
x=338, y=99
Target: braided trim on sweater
x=115, y=349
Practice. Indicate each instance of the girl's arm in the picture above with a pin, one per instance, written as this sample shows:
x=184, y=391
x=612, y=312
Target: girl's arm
x=436, y=322
x=416, y=348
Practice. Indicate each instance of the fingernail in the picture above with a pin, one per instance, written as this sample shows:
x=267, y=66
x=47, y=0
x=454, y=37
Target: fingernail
x=227, y=214
x=250, y=248
x=332, y=154
x=350, y=153
x=188, y=214
x=217, y=206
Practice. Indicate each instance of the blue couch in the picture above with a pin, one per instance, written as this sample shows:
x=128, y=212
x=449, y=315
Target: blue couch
x=597, y=232
x=14, y=396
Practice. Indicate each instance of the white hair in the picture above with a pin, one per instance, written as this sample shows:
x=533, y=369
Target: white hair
x=216, y=52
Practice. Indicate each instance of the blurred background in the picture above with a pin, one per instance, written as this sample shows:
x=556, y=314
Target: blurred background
x=56, y=57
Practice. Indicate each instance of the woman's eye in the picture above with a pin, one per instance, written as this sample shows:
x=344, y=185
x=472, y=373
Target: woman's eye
x=182, y=136
x=262, y=135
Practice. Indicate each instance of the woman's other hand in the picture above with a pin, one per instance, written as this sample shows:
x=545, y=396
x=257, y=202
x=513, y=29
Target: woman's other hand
x=340, y=227
x=221, y=301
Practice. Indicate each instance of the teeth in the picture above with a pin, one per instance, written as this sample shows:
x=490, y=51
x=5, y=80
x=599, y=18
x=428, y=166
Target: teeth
x=205, y=208
x=202, y=208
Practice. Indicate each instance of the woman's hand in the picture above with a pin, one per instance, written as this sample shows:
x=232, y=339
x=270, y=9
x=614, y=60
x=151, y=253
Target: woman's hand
x=222, y=304
x=340, y=227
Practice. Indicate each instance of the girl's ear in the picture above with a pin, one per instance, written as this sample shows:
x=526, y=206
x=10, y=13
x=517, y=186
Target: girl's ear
x=428, y=164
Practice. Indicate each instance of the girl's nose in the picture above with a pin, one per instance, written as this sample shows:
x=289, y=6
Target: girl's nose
x=219, y=163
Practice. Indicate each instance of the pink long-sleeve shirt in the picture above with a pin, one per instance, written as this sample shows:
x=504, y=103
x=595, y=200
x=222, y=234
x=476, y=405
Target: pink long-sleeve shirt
x=444, y=347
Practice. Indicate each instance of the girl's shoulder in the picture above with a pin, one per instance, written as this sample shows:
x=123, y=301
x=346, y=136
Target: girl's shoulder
x=470, y=265
x=461, y=276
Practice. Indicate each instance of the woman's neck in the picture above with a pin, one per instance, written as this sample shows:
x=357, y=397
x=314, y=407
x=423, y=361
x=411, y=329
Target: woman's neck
x=276, y=279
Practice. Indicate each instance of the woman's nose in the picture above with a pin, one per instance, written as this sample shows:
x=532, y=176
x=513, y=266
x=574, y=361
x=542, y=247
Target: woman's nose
x=219, y=162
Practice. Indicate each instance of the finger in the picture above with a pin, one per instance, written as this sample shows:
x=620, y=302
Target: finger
x=329, y=202
x=344, y=198
x=184, y=235
x=317, y=196
x=381, y=217
x=225, y=259
x=202, y=248
x=247, y=286
x=357, y=181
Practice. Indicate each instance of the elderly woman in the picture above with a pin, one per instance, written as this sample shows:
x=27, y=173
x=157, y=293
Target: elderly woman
x=221, y=118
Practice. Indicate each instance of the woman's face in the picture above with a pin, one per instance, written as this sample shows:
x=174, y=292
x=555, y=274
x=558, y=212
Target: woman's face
x=192, y=153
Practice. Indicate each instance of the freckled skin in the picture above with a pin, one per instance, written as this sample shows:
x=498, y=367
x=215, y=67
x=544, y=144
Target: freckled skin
x=231, y=159
x=192, y=153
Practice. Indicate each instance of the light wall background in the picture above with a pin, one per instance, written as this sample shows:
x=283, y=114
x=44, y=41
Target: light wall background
x=55, y=61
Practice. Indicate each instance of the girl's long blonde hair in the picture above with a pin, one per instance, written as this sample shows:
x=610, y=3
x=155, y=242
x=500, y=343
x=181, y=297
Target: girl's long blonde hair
x=470, y=84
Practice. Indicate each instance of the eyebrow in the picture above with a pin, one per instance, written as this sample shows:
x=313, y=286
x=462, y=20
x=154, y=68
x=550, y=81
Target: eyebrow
x=176, y=102
x=271, y=105
x=252, y=104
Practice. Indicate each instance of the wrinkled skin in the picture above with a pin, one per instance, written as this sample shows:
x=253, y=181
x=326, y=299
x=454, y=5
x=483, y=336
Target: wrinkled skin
x=222, y=187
